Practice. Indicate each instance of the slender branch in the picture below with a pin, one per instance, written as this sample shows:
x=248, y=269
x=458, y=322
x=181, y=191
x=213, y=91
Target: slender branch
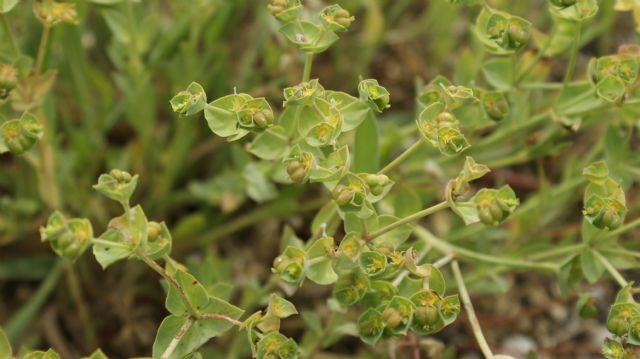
x=471, y=314
x=624, y=228
x=553, y=252
x=448, y=248
x=403, y=156
x=308, y=61
x=42, y=48
x=443, y=261
x=611, y=269
x=7, y=30
x=405, y=220
x=220, y=316
x=156, y=267
x=573, y=56
x=83, y=312
x=176, y=340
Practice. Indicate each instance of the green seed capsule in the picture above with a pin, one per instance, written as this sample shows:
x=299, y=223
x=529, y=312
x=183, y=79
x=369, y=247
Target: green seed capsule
x=391, y=317
x=426, y=315
x=153, y=231
x=618, y=326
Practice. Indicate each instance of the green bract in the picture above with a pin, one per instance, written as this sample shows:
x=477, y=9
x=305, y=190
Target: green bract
x=309, y=37
x=21, y=134
x=576, y=10
x=117, y=185
x=190, y=101
x=234, y=116
x=604, y=200
x=502, y=32
x=375, y=94
x=335, y=18
x=285, y=10
x=495, y=205
x=69, y=237
x=441, y=129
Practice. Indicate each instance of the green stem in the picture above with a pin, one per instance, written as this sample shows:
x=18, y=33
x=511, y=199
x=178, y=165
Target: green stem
x=573, y=56
x=308, y=61
x=83, y=312
x=611, y=269
x=557, y=251
x=403, y=156
x=448, y=248
x=12, y=40
x=183, y=295
x=42, y=48
x=176, y=339
x=408, y=219
x=471, y=314
x=19, y=321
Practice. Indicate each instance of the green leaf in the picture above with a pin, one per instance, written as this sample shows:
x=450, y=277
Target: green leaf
x=366, y=150
x=97, y=354
x=194, y=291
x=222, y=118
x=199, y=332
x=353, y=110
x=396, y=236
x=112, y=248
x=5, y=345
x=499, y=73
x=259, y=188
x=591, y=266
x=116, y=187
x=49, y=354
x=308, y=36
x=271, y=144
x=280, y=307
x=7, y=5
x=611, y=89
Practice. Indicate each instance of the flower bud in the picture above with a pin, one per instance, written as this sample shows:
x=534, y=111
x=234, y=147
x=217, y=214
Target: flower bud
x=335, y=18
x=190, y=101
x=153, y=231
x=604, y=213
x=51, y=13
x=69, y=238
x=377, y=95
x=426, y=315
x=518, y=31
x=618, y=326
x=296, y=171
x=451, y=141
x=20, y=135
x=391, y=317
x=303, y=93
x=495, y=105
x=494, y=206
x=117, y=185
x=290, y=265
x=8, y=79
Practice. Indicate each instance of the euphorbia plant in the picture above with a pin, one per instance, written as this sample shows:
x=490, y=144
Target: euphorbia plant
x=372, y=252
